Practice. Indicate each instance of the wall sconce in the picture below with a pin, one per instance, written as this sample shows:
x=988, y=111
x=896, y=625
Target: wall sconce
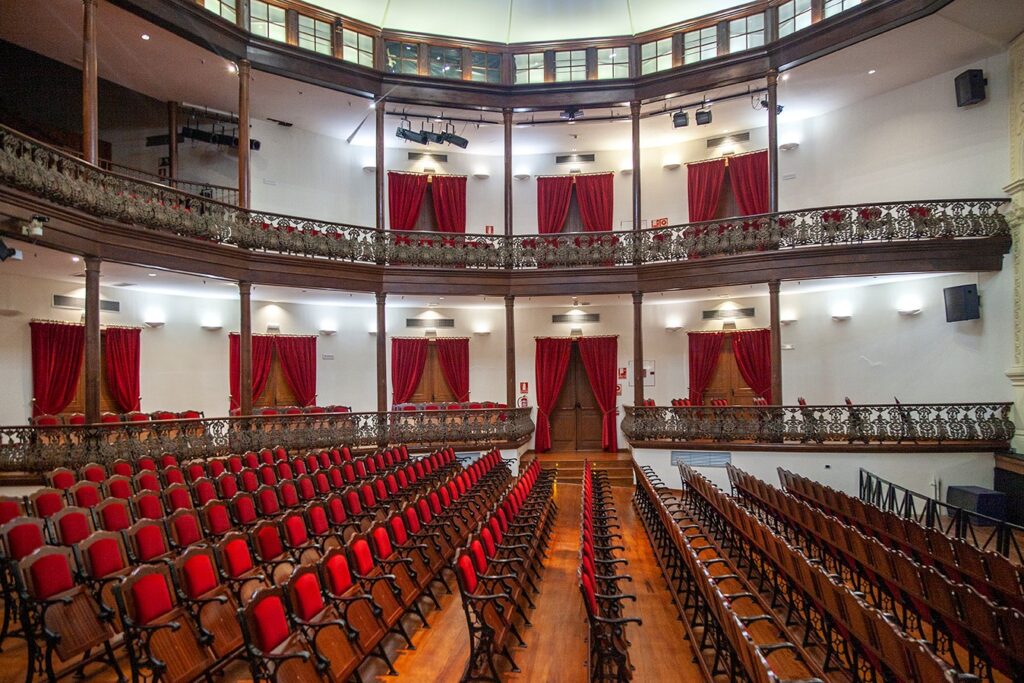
x=841, y=312
x=521, y=176
x=908, y=312
x=328, y=333
x=428, y=170
x=729, y=324
x=273, y=327
x=628, y=170
x=430, y=332
x=908, y=306
x=673, y=328
x=671, y=166
x=789, y=146
x=788, y=320
x=841, y=317
x=210, y=323
x=576, y=332
x=154, y=317
x=482, y=331
x=154, y=323
x=482, y=176
x=370, y=168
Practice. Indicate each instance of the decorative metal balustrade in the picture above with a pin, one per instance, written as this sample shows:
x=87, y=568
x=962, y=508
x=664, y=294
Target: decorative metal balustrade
x=37, y=449
x=935, y=423
x=52, y=174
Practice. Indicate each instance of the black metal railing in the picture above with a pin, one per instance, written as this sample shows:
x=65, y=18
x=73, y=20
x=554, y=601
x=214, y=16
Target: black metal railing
x=981, y=531
x=938, y=423
x=25, y=448
x=188, y=211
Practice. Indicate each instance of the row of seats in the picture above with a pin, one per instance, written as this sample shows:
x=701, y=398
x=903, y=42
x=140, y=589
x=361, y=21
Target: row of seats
x=497, y=567
x=732, y=629
x=856, y=637
x=454, y=405
x=953, y=616
x=78, y=419
x=295, y=410
x=599, y=579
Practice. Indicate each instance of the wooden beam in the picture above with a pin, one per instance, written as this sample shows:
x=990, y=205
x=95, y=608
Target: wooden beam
x=245, y=348
x=90, y=85
x=510, y=351
x=244, y=180
x=506, y=116
x=172, y=141
x=92, y=339
x=634, y=115
x=638, y=349
x=776, y=341
x=773, y=141
x=382, y=350
x=379, y=163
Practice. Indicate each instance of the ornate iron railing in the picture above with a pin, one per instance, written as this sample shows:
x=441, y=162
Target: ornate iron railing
x=37, y=449
x=34, y=167
x=884, y=423
x=981, y=531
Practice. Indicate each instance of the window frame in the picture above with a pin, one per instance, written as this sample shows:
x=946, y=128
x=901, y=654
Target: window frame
x=620, y=57
x=486, y=69
x=659, y=58
x=402, y=59
x=747, y=32
x=362, y=56
x=221, y=4
x=707, y=37
x=530, y=69
x=796, y=20
x=573, y=67
x=451, y=69
x=269, y=22
x=317, y=40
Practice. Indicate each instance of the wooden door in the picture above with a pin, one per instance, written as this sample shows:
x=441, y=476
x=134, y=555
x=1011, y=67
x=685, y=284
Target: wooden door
x=576, y=418
x=107, y=402
x=433, y=387
x=277, y=393
x=727, y=382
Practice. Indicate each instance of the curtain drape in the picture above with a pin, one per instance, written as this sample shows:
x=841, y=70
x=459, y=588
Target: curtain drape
x=408, y=357
x=703, y=356
x=553, y=195
x=552, y=360
x=262, y=352
x=596, y=194
x=748, y=174
x=703, y=188
x=121, y=357
x=600, y=355
x=450, y=203
x=57, y=351
x=298, y=360
x=753, y=350
x=405, y=196
x=454, y=357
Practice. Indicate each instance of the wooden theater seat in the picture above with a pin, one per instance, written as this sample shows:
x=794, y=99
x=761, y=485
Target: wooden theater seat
x=211, y=604
x=334, y=644
x=275, y=652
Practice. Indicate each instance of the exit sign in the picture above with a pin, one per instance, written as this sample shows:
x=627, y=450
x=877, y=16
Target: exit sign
x=488, y=229
x=659, y=223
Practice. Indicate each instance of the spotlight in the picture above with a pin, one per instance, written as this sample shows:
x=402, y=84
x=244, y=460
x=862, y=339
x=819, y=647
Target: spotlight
x=778, y=107
x=404, y=132
x=452, y=138
x=571, y=114
x=6, y=252
x=680, y=119
x=431, y=136
x=702, y=116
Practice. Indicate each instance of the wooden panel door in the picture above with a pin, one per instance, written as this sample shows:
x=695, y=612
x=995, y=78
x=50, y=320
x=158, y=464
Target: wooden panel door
x=277, y=393
x=433, y=388
x=576, y=418
x=727, y=382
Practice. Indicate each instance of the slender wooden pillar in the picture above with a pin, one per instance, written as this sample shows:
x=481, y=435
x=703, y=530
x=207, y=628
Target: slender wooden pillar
x=510, y=350
x=634, y=116
x=90, y=85
x=244, y=179
x=776, y=341
x=172, y=141
x=773, y=141
x=506, y=115
x=92, y=339
x=638, y=349
x=382, y=350
x=245, y=348
x=379, y=163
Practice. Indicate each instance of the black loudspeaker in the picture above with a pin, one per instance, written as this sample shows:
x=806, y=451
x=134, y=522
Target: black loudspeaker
x=962, y=303
x=970, y=87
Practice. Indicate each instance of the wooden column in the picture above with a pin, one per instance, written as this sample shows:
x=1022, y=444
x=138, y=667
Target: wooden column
x=172, y=141
x=92, y=339
x=244, y=180
x=90, y=85
x=379, y=163
x=244, y=348
x=773, y=141
x=506, y=115
x=634, y=115
x=776, y=341
x=382, y=350
x=638, y=349
x=510, y=350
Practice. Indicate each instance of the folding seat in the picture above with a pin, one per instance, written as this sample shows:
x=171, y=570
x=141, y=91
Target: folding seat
x=940, y=547
x=85, y=494
x=271, y=552
x=319, y=527
x=285, y=470
x=379, y=585
x=487, y=611
x=971, y=564
x=172, y=475
x=103, y=561
x=354, y=605
x=122, y=467
x=93, y=472
x=360, y=469
x=216, y=467
x=235, y=464
x=215, y=517
x=280, y=453
x=410, y=585
x=203, y=491
x=346, y=454
x=288, y=494
x=147, y=505
x=44, y=502
x=70, y=525
x=275, y=653
x=333, y=643
x=238, y=569
x=297, y=540
x=177, y=497
x=505, y=577
x=11, y=507
x=118, y=486
x=983, y=619
x=147, y=541
x=411, y=533
x=250, y=460
x=267, y=502
x=248, y=480
x=354, y=507
x=161, y=636
x=184, y=528
x=370, y=463
x=195, y=470
x=322, y=482
x=61, y=478
x=227, y=485
x=268, y=475
x=21, y=536
x=147, y=480
x=243, y=510
x=266, y=456
x=211, y=604
x=146, y=463
x=59, y=617
x=75, y=419
x=1003, y=572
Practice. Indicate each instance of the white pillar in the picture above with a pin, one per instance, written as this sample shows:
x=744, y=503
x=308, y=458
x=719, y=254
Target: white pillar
x=1016, y=218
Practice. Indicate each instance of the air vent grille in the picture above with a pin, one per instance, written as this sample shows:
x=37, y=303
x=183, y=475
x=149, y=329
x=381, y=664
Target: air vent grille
x=421, y=323
x=732, y=138
x=723, y=314
x=573, y=158
x=576, y=318
x=78, y=303
x=701, y=458
x=429, y=156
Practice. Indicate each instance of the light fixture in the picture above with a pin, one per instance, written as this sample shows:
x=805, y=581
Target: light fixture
x=787, y=319
x=673, y=328
x=429, y=170
x=151, y=274
x=452, y=138
x=841, y=311
x=908, y=306
x=671, y=166
x=871, y=72
x=211, y=326
x=521, y=176
x=789, y=146
x=154, y=323
x=841, y=317
x=702, y=116
x=145, y=36
x=570, y=114
x=576, y=332
x=232, y=68
x=273, y=327
x=482, y=175
x=370, y=168
x=785, y=77
x=6, y=252
x=430, y=332
x=328, y=333
x=328, y=328
x=909, y=312
x=405, y=132
x=482, y=331
x=680, y=119
x=75, y=259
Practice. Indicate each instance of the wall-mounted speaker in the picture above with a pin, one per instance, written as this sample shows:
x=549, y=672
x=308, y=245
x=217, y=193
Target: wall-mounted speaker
x=962, y=303
x=970, y=87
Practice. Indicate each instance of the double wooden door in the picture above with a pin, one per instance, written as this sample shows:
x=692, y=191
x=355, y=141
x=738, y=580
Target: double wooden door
x=576, y=417
x=433, y=387
x=727, y=382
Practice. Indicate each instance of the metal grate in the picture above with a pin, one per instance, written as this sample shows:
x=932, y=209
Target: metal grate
x=416, y=156
x=735, y=137
x=573, y=158
x=576, y=318
x=722, y=314
x=78, y=303
x=701, y=458
x=420, y=323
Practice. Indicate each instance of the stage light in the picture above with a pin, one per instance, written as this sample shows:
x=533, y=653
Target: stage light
x=778, y=107
x=404, y=132
x=702, y=116
x=6, y=252
x=571, y=114
x=457, y=140
x=680, y=119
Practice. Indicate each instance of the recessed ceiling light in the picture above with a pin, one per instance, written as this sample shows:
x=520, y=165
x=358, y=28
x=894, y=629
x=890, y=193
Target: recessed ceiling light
x=152, y=274
x=785, y=77
x=145, y=36
x=871, y=72
x=233, y=68
x=75, y=259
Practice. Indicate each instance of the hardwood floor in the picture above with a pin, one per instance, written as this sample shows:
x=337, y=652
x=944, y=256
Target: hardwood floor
x=556, y=646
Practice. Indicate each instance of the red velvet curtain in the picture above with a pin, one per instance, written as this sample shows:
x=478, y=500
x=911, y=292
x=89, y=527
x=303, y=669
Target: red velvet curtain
x=450, y=202
x=596, y=194
x=262, y=352
x=704, y=350
x=552, y=360
x=600, y=356
x=553, y=195
x=703, y=188
x=405, y=196
x=57, y=350
x=408, y=356
x=748, y=174
x=121, y=357
x=454, y=357
x=753, y=349
x=298, y=360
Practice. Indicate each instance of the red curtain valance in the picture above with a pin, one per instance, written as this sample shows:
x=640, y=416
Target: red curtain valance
x=703, y=188
x=408, y=357
x=703, y=357
x=405, y=196
x=596, y=195
x=753, y=350
x=453, y=354
x=262, y=351
x=121, y=352
x=552, y=360
x=449, y=192
x=748, y=175
x=600, y=357
x=57, y=351
x=553, y=194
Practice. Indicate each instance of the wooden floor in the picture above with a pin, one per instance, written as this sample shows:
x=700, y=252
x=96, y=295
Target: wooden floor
x=556, y=647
